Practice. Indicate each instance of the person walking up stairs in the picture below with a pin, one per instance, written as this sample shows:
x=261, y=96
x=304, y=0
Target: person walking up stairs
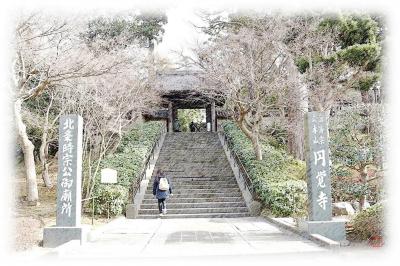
x=162, y=189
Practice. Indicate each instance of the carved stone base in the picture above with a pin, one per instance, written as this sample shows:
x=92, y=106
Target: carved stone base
x=334, y=230
x=55, y=236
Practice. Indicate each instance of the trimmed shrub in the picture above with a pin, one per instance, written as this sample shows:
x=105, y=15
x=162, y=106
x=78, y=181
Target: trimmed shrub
x=278, y=179
x=128, y=161
x=110, y=197
x=356, y=55
x=368, y=223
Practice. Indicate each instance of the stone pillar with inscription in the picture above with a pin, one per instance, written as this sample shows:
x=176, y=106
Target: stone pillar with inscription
x=68, y=219
x=213, y=118
x=319, y=180
x=170, y=118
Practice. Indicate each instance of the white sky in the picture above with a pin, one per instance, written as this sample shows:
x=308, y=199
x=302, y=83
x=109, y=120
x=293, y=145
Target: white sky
x=180, y=34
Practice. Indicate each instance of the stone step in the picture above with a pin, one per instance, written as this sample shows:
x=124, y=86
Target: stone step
x=194, y=174
x=206, y=159
x=197, y=138
x=172, y=149
x=195, y=210
x=180, y=185
x=182, y=165
x=195, y=145
x=204, y=155
x=183, y=205
x=203, y=178
x=187, y=145
x=214, y=172
x=200, y=184
x=188, y=150
x=195, y=215
x=178, y=182
x=200, y=144
x=173, y=199
x=189, y=183
x=199, y=195
x=179, y=190
x=207, y=162
x=194, y=141
x=198, y=167
x=188, y=153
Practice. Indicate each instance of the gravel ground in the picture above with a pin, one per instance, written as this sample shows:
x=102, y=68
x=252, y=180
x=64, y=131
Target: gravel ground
x=29, y=221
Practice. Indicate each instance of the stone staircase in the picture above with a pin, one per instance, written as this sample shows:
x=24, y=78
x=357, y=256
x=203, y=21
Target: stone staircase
x=203, y=183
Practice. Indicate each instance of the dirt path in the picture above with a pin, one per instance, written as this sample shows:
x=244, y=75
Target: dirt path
x=30, y=220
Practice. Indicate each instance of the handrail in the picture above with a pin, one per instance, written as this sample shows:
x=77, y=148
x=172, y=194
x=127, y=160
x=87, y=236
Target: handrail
x=146, y=163
x=237, y=162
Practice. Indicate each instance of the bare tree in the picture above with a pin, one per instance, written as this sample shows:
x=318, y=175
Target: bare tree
x=250, y=69
x=48, y=53
x=109, y=105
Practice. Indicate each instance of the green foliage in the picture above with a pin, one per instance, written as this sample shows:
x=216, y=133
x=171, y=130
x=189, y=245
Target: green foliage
x=277, y=138
x=356, y=142
x=329, y=60
x=128, y=161
x=369, y=222
x=366, y=82
x=302, y=64
x=360, y=54
x=353, y=29
x=119, y=32
x=359, y=46
x=110, y=198
x=150, y=25
x=348, y=190
x=358, y=30
x=186, y=116
x=278, y=178
x=220, y=24
x=355, y=137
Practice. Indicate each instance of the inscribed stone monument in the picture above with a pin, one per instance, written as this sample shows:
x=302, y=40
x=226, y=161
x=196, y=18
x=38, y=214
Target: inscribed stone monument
x=319, y=180
x=68, y=218
x=318, y=170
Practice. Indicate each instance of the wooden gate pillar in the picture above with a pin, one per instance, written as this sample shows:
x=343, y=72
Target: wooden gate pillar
x=170, y=118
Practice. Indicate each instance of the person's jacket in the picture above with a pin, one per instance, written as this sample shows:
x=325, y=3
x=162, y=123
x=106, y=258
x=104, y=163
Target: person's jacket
x=161, y=194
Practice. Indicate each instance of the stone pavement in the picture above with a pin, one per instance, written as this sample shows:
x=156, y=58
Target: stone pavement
x=144, y=238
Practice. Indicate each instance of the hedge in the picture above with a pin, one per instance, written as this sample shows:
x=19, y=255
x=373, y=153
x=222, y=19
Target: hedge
x=128, y=161
x=279, y=179
x=368, y=223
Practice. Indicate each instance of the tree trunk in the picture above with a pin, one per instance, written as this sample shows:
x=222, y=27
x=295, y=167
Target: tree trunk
x=297, y=108
x=361, y=202
x=295, y=144
x=257, y=147
x=27, y=148
x=43, y=155
x=296, y=133
x=151, y=66
x=256, y=137
x=44, y=148
x=364, y=181
x=365, y=96
x=253, y=135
